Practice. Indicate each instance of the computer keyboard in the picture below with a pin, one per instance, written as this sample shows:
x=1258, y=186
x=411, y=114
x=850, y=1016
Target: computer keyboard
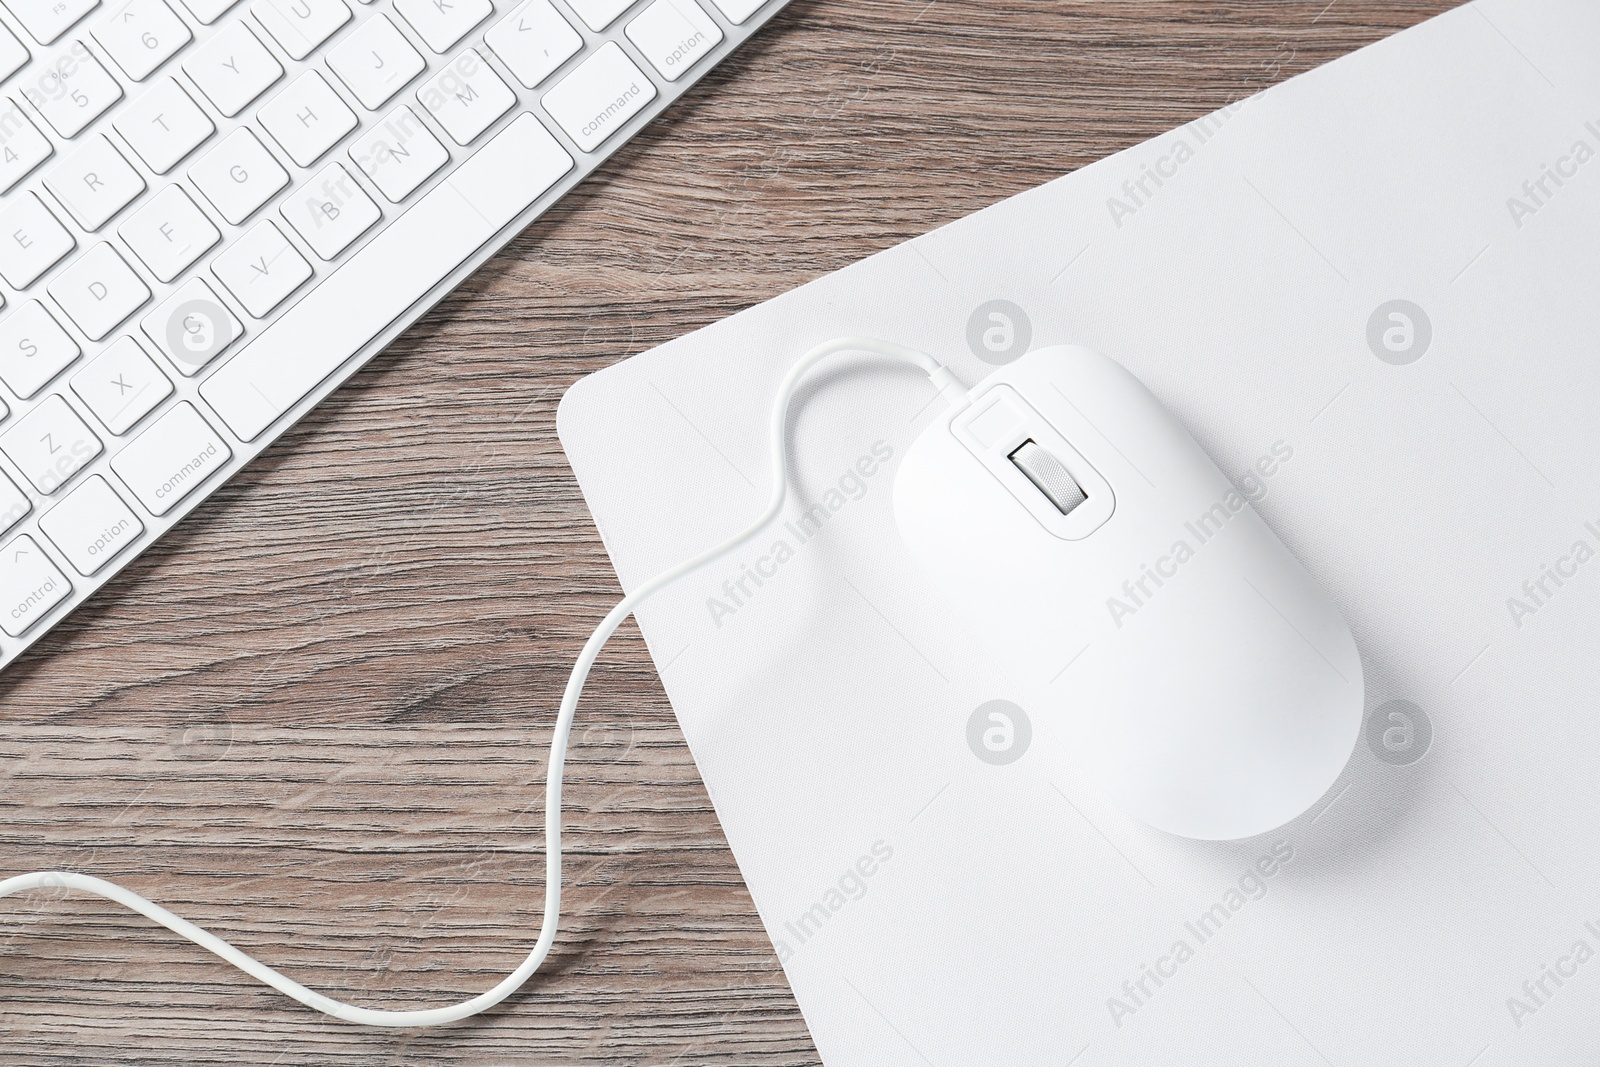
x=212, y=212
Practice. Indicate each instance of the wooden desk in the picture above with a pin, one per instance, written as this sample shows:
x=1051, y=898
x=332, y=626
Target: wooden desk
x=315, y=718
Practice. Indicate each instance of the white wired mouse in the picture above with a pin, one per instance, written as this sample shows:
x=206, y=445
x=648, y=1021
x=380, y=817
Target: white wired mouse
x=1215, y=715
x=1135, y=596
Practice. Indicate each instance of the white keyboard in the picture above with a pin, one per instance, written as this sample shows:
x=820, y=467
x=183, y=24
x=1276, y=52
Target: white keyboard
x=212, y=212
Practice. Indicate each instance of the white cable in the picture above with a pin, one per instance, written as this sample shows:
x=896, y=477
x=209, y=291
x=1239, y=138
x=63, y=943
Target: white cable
x=948, y=387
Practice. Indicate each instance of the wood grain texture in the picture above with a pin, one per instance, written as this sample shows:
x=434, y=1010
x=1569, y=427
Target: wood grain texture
x=314, y=718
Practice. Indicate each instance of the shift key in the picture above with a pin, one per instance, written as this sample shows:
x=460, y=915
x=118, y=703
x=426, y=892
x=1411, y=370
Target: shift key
x=171, y=459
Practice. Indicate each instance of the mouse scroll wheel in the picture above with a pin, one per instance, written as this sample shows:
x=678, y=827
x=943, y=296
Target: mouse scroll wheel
x=1049, y=475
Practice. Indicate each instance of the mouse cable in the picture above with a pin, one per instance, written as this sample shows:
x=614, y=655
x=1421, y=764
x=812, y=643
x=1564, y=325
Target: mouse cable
x=949, y=388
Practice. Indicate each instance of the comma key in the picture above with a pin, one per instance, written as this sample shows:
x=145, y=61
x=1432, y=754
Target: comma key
x=533, y=41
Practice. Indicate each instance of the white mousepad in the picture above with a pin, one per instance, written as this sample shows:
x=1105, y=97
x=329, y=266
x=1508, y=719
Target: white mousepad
x=1370, y=294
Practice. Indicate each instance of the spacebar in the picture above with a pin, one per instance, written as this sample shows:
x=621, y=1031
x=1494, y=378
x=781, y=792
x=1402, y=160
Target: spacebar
x=385, y=278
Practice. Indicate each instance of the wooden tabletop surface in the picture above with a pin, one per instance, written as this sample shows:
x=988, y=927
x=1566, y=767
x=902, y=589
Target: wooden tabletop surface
x=314, y=719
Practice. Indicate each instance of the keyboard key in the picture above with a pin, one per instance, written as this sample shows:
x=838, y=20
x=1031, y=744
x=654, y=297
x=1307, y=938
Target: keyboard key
x=171, y=459
x=674, y=35
x=33, y=349
x=31, y=240
x=14, y=504
x=49, y=19
x=330, y=211
x=94, y=182
x=22, y=146
x=387, y=275
x=12, y=54
x=233, y=68
x=98, y=291
x=50, y=444
x=206, y=12
x=261, y=268
x=375, y=61
x=600, y=95
x=533, y=41
x=192, y=326
x=238, y=175
x=466, y=97
x=140, y=35
x=441, y=23
x=736, y=11
x=163, y=125
x=168, y=233
x=598, y=14
x=399, y=155
x=307, y=118
x=91, y=525
x=300, y=25
x=30, y=585
x=74, y=91
x=121, y=385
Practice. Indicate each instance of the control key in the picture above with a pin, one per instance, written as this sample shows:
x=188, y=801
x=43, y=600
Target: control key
x=30, y=585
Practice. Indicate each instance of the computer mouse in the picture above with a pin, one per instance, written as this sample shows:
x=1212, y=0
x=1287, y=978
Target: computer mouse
x=1134, y=597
